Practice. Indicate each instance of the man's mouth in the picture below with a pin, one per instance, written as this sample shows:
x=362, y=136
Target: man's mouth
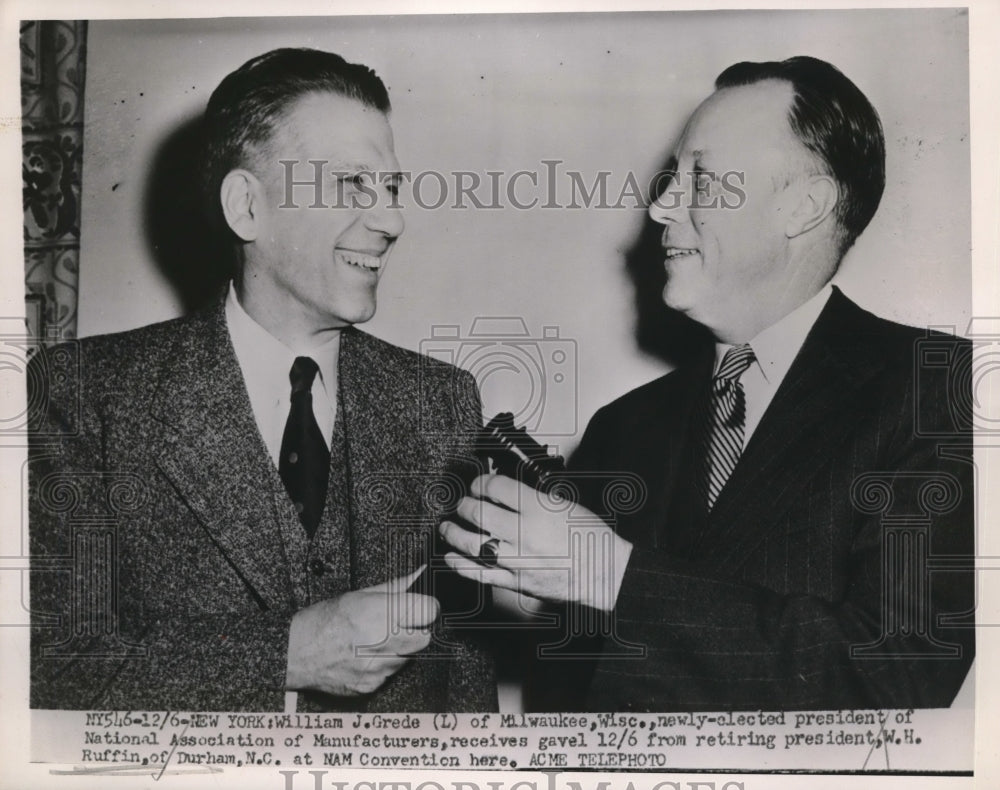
x=678, y=252
x=361, y=260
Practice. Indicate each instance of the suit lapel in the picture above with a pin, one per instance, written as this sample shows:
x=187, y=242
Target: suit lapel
x=813, y=411
x=668, y=455
x=210, y=449
x=377, y=462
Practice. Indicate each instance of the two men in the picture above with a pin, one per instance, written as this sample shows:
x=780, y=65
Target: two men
x=249, y=480
x=232, y=505
x=795, y=487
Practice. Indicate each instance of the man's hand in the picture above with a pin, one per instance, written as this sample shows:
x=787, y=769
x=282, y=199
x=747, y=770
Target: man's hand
x=351, y=644
x=549, y=550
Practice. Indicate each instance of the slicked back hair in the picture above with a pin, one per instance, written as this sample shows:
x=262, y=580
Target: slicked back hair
x=837, y=123
x=249, y=104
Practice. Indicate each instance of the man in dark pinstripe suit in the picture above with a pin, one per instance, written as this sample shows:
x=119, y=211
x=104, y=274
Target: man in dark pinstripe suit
x=796, y=484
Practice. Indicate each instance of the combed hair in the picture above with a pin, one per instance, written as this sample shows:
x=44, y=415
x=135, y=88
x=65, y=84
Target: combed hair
x=249, y=103
x=837, y=123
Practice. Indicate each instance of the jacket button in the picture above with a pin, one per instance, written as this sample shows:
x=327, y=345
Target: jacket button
x=317, y=566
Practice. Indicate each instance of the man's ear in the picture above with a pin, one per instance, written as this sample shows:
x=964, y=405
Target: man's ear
x=241, y=195
x=817, y=198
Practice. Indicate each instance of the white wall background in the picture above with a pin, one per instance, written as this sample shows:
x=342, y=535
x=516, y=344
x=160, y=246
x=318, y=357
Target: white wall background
x=600, y=92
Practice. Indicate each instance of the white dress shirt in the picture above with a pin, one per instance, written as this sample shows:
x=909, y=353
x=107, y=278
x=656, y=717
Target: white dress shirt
x=774, y=350
x=266, y=363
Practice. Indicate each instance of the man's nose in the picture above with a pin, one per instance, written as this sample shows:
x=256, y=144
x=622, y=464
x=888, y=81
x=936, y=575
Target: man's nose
x=671, y=204
x=386, y=216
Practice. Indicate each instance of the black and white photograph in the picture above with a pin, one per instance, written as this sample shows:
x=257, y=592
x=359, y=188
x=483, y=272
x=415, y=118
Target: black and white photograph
x=572, y=394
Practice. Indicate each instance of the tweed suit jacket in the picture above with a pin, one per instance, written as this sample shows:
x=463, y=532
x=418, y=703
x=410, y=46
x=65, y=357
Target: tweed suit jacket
x=167, y=558
x=834, y=569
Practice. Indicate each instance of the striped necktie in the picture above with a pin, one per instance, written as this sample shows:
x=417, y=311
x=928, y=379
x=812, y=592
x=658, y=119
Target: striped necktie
x=726, y=419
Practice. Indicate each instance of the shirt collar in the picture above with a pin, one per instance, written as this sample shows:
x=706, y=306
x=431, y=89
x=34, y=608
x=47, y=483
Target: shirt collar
x=775, y=348
x=264, y=359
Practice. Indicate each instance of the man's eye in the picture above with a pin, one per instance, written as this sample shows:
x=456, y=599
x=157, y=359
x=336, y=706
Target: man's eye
x=393, y=188
x=356, y=180
x=703, y=183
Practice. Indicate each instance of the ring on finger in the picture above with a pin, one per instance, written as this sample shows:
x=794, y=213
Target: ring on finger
x=489, y=552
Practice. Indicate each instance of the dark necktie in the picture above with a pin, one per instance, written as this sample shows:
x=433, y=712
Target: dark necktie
x=305, y=459
x=726, y=420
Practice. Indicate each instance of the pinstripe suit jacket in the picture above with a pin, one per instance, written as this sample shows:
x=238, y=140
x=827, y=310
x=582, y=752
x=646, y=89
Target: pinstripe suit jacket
x=167, y=559
x=786, y=595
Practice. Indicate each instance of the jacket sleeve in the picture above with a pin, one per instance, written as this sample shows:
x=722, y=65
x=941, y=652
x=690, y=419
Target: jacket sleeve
x=472, y=684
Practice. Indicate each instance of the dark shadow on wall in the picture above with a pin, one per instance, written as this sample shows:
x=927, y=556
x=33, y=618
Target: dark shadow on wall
x=659, y=331
x=194, y=257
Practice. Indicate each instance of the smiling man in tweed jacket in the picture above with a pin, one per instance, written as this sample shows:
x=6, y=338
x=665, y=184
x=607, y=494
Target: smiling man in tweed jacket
x=234, y=505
